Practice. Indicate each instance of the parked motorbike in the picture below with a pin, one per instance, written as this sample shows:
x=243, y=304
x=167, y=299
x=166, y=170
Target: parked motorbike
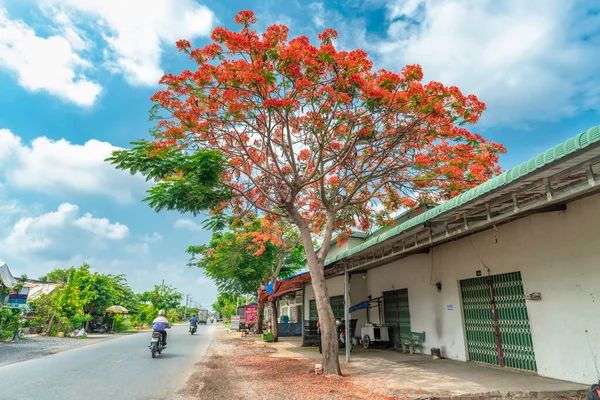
x=341, y=335
x=193, y=328
x=156, y=344
x=98, y=328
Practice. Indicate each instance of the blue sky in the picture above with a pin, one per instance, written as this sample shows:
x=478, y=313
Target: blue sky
x=76, y=77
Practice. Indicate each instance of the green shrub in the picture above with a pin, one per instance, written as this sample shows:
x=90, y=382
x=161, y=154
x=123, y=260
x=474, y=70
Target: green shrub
x=77, y=321
x=121, y=323
x=144, y=317
x=9, y=322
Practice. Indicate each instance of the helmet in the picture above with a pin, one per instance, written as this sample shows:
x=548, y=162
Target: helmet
x=161, y=313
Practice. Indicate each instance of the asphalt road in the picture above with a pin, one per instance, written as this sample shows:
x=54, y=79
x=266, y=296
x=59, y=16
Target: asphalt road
x=121, y=368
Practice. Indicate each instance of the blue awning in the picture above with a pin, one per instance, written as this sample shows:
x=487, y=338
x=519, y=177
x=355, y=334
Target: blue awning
x=359, y=306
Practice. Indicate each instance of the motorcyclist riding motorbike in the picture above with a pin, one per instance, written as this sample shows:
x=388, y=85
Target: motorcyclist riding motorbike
x=160, y=324
x=193, y=323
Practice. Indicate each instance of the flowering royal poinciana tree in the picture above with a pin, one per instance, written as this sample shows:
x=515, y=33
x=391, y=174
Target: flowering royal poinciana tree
x=315, y=135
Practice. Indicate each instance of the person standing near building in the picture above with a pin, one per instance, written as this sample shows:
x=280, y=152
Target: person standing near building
x=319, y=332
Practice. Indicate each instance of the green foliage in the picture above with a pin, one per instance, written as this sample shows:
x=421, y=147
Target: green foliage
x=83, y=295
x=9, y=317
x=58, y=275
x=162, y=297
x=231, y=259
x=227, y=304
x=43, y=308
x=172, y=316
x=78, y=320
x=87, y=294
x=121, y=323
x=9, y=322
x=184, y=315
x=186, y=182
x=144, y=316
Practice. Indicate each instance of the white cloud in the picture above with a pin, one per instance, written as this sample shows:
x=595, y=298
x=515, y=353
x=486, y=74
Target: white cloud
x=58, y=231
x=48, y=64
x=318, y=14
x=143, y=246
x=154, y=237
x=401, y=8
x=9, y=143
x=188, y=224
x=135, y=30
x=102, y=227
x=57, y=166
x=525, y=59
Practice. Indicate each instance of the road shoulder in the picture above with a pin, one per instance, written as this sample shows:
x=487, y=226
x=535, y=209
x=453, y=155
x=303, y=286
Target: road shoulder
x=36, y=346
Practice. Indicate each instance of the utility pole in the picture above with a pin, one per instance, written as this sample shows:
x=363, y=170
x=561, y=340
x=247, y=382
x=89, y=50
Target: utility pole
x=186, y=307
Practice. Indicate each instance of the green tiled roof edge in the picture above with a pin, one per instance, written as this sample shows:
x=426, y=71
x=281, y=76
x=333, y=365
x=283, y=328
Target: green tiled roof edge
x=576, y=143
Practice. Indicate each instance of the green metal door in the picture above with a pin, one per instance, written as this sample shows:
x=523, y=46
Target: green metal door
x=496, y=321
x=513, y=320
x=396, y=314
x=312, y=310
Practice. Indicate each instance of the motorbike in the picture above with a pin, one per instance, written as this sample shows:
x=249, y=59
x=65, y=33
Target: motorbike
x=156, y=344
x=341, y=331
x=341, y=335
x=98, y=328
x=193, y=328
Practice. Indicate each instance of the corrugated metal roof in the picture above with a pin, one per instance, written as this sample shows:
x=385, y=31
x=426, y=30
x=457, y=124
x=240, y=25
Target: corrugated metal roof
x=572, y=145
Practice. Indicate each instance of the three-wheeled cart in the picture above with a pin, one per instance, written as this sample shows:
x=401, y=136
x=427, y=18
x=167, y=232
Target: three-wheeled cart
x=372, y=334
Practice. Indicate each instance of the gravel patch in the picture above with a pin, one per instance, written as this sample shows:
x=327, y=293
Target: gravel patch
x=39, y=346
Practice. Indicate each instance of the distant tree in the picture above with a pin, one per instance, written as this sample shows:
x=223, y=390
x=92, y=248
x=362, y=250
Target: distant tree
x=57, y=275
x=246, y=256
x=227, y=304
x=162, y=297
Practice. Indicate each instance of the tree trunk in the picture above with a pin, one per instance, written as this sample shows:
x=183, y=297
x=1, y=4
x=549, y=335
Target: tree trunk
x=49, y=327
x=329, y=339
x=261, y=318
x=273, y=306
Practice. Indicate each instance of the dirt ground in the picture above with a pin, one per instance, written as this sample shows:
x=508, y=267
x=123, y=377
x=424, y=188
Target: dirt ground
x=245, y=369
x=238, y=368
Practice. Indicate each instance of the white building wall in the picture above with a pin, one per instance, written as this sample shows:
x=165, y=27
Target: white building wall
x=359, y=292
x=335, y=286
x=558, y=254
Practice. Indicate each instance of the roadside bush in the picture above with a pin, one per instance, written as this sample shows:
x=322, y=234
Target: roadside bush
x=121, y=324
x=172, y=316
x=63, y=325
x=42, y=309
x=144, y=317
x=9, y=322
x=77, y=321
